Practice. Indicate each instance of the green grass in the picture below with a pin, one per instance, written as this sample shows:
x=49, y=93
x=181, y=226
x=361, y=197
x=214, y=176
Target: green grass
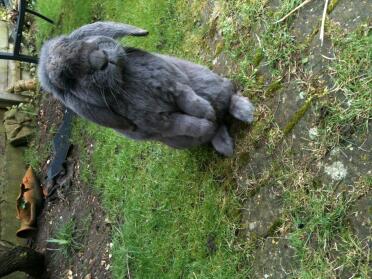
x=34, y=157
x=322, y=218
x=67, y=238
x=352, y=74
x=326, y=244
x=263, y=41
x=67, y=16
x=52, y=9
x=171, y=206
x=320, y=235
x=164, y=33
x=174, y=218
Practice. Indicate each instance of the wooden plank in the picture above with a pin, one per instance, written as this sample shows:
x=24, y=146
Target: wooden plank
x=3, y=74
x=4, y=44
x=25, y=74
x=14, y=70
x=7, y=99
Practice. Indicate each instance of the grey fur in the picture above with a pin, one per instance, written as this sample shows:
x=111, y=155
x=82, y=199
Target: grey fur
x=142, y=95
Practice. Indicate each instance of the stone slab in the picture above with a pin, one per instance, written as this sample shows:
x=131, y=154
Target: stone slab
x=349, y=14
x=360, y=220
x=299, y=142
x=307, y=20
x=348, y=163
x=320, y=57
x=275, y=259
x=287, y=102
x=262, y=211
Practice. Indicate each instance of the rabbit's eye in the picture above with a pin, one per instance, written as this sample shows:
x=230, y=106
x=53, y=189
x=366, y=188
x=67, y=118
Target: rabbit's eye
x=104, y=66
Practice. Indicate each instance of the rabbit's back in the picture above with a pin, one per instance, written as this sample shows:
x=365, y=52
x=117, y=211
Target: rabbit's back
x=207, y=84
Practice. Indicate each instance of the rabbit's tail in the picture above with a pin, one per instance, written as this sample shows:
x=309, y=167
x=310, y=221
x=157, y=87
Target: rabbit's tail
x=241, y=108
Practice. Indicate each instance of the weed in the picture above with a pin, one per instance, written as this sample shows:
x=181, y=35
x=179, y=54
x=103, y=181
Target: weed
x=351, y=104
x=35, y=156
x=322, y=217
x=67, y=238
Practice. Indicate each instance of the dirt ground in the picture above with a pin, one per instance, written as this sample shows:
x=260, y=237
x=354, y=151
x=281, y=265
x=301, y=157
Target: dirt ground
x=75, y=203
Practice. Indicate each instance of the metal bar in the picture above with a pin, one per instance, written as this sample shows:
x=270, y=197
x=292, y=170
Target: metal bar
x=40, y=15
x=20, y=22
x=18, y=57
x=22, y=9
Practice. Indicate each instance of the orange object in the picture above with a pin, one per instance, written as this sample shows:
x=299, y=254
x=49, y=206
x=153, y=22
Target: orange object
x=28, y=204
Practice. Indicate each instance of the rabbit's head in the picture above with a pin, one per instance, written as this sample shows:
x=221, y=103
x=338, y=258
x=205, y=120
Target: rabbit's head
x=88, y=56
x=73, y=62
x=69, y=61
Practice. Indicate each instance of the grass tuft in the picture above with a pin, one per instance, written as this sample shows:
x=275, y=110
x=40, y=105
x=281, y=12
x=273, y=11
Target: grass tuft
x=67, y=238
x=352, y=75
x=170, y=204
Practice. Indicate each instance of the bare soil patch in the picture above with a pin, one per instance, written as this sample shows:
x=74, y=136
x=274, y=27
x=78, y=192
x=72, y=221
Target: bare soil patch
x=74, y=203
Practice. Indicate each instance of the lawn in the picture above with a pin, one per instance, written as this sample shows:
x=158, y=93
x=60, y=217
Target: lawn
x=178, y=214
x=175, y=216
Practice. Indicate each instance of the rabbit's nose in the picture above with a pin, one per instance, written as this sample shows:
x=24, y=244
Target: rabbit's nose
x=98, y=60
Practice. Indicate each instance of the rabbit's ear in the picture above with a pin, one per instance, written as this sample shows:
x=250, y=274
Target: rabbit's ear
x=107, y=29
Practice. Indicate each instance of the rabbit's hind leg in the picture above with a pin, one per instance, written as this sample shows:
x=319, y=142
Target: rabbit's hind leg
x=179, y=124
x=192, y=104
x=241, y=108
x=181, y=142
x=222, y=142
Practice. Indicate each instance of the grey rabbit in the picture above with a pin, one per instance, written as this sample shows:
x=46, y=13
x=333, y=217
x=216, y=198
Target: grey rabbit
x=145, y=96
